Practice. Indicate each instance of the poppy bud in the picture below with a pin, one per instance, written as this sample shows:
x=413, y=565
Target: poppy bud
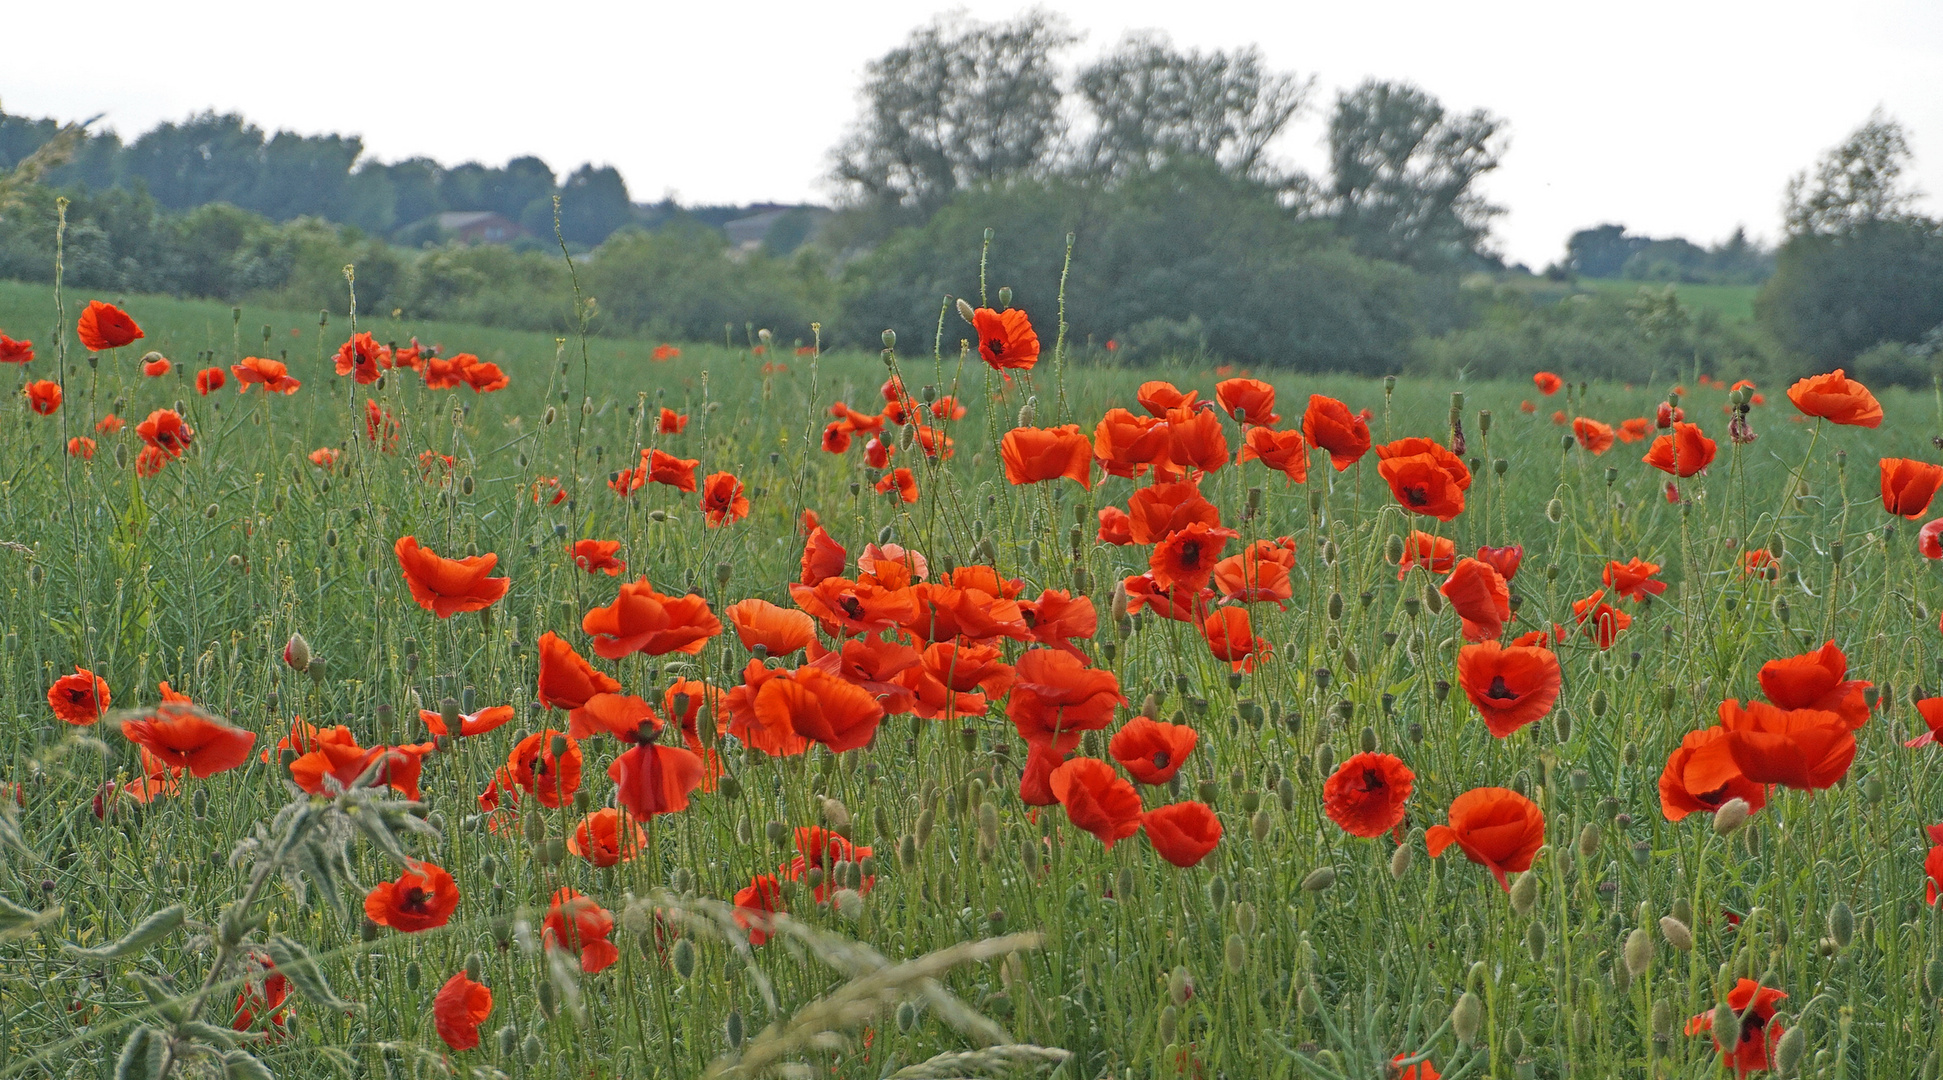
x=1467, y=1016
x=315, y=669
x=531, y=1048
x=1170, y=1023
x=1676, y=933
x=1524, y=892
x=1841, y=924
x=1562, y=723
x=296, y=653
x=1555, y=511
x=508, y=1041
x=964, y=310
x=1589, y=840
x=1180, y=985
x=1401, y=860
x=1638, y=952
x=1727, y=1025
x=1322, y=877
x=1732, y=815
x=1235, y=953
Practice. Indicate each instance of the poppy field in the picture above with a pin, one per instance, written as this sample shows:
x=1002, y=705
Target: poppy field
x=380, y=708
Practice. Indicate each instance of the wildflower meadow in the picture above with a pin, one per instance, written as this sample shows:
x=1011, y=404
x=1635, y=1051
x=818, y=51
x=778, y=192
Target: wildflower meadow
x=383, y=705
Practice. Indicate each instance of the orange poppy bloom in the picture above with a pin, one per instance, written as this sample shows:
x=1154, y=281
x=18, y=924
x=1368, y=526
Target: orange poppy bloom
x=1909, y=486
x=1247, y=401
x=934, y=443
x=1230, y=636
x=821, y=707
x=643, y=620
x=854, y=607
x=165, y=431
x=903, y=481
x=184, y=737
x=1436, y=554
x=1633, y=579
x=1328, y=423
x=483, y=376
x=1422, y=1070
x=1034, y=454
x=1547, y=383
x=1097, y=800
x=1607, y=621
x=1154, y=513
x=891, y=566
x=473, y=723
x=105, y=326
x=943, y=681
x=1151, y=751
x=1754, y=1049
x=272, y=375
x=876, y=454
x=1479, y=595
x=823, y=557
x=44, y=396
x=1807, y=749
x=1160, y=396
x=1817, y=680
x=722, y=499
x=1195, y=439
x=1284, y=451
x=872, y=665
x=533, y=767
x=1183, y=833
x=151, y=461
x=1057, y=617
x=1117, y=528
x=1126, y=444
x=1593, y=435
x=358, y=358
x=1683, y=453
x=1180, y=603
x=575, y=924
x=820, y=849
x=664, y=352
x=739, y=705
x=1495, y=827
x=1701, y=776
x=80, y=698
x=446, y=587
x=836, y=438
x=1056, y=697
x=946, y=407
x=1558, y=417
x=672, y=422
x=756, y=906
x=1504, y=560
x=458, y=1009
x=157, y=367
x=1006, y=338
x=1632, y=431
x=82, y=447
x=1836, y=398
x=566, y=680
x=264, y=993
x=1509, y=686
x=324, y=457
x=651, y=779
x=626, y=717
x=597, y=556
x=423, y=897
x=777, y=630
x=665, y=468
x=15, y=352
x=1930, y=709
x=1186, y=559
x=1365, y=795
x=1424, y=477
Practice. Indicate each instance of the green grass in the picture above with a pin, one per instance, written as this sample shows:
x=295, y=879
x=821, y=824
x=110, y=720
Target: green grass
x=1735, y=303
x=200, y=574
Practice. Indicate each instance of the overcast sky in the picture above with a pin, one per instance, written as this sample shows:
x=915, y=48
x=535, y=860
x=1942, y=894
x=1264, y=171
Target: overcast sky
x=1673, y=118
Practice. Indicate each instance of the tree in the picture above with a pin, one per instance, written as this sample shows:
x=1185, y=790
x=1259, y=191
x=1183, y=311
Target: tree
x=593, y=203
x=1151, y=103
x=1402, y=172
x=1602, y=251
x=1833, y=296
x=1855, y=184
x=960, y=103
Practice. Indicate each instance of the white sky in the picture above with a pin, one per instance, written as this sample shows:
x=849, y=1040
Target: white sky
x=1673, y=118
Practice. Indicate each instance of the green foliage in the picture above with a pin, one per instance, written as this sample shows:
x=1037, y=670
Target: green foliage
x=1835, y=295
x=679, y=282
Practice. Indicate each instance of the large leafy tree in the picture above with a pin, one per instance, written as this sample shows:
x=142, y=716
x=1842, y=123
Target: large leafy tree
x=1404, y=174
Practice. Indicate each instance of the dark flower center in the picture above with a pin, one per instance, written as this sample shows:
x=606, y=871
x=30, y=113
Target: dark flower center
x=1191, y=553
x=417, y=899
x=852, y=607
x=1160, y=759
x=1372, y=781
x=1418, y=496
x=1499, y=691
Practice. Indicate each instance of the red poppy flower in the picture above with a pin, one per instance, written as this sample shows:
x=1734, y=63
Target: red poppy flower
x=157, y=367
x=1259, y=572
x=1230, y=636
x=1806, y=749
x=446, y=587
x=1909, y=486
x=1423, y=484
x=1754, y=1050
x=722, y=499
x=853, y=607
x=664, y=352
x=1247, y=401
x=263, y=995
x=151, y=461
x=184, y=737
x=1837, y=399
x=1154, y=513
x=358, y=357
x=1495, y=827
x=822, y=558
x=1159, y=396
x=652, y=779
x=820, y=849
x=1422, y=1070
x=1329, y=424
x=820, y=707
x=1510, y=686
x=643, y=620
x=474, y=723
x=664, y=468
x=1006, y=338
x=943, y=681
x=1195, y=439
x=1365, y=795
x=534, y=768
x=1179, y=603
x=1117, y=528
x=1057, y=617
x=1034, y=454
x=671, y=422
x=483, y=376
x=1504, y=560
x=903, y=481
x=1607, y=621
x=779, y=631
x=1186, y=559
x=1097, y=800
x=1436, y=554
x=1933, y=864
x=15, y=352
x=44, y=396
x=1633, y=579
x=1593, y=435
x=80, y=698
x=422, y=898
x=566, y=680
x=82, y=447
x=576, y=924
x=1183, y=833
x=1683, y=453
x=1701, y=776
x=597, y=556
x=1632, y=431
x=1128, y=445
x=873, y=665
x=272, y=375
x=1817, y=680
x=1931, y=711
x=1285, y=451
x=756, y=905
x=1151, y=751
x=934, y=443
x=165, y=431
x=1929, y=539
x=1480, y=597
x=1547, y=383
x=1056, y=697
x=458, y=1009
x=105, y=326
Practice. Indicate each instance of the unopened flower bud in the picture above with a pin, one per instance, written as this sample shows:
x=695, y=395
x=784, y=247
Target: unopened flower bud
x=1732, y=815
x=296, y=653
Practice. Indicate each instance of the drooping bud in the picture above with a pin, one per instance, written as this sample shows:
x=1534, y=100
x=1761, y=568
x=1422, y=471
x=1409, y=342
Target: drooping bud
x=964, y=309
x=1731, y=816
x=296, y=653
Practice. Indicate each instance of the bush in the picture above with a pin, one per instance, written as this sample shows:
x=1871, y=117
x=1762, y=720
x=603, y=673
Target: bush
x=1834, y=296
